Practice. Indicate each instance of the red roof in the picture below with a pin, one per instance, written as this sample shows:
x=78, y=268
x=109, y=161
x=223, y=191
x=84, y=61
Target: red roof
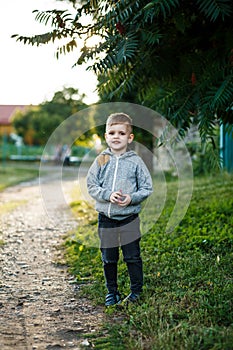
x=7, y=111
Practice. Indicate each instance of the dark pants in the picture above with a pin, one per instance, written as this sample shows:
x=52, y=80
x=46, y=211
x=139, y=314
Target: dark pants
x=125, y=234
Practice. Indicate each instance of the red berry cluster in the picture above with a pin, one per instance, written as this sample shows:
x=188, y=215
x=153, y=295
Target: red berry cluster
x=193, y=79
x=120, y=28
x=60, y=21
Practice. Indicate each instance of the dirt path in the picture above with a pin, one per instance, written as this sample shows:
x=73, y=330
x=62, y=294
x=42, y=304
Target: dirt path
x=39, y=306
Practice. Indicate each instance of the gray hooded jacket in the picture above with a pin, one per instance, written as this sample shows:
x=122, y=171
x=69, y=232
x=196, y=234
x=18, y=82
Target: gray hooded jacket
x=110, y=173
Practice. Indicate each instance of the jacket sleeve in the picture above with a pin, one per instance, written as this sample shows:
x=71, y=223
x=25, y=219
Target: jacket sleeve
x=144, y=184
x=93, y=184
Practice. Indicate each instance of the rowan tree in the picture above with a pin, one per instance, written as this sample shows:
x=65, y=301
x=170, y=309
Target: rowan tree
x=174, y=56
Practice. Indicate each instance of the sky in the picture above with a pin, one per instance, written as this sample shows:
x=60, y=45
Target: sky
x=30, y=74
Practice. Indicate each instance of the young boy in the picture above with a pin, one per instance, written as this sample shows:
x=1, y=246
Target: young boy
x=119, y=181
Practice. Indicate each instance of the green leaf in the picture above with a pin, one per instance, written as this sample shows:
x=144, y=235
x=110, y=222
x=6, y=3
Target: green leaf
x=215, y=9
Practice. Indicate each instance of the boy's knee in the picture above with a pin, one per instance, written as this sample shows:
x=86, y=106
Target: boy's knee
x=109, y=261
x=132, y=259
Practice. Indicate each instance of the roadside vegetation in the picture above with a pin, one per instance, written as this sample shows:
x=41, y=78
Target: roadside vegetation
x=11, y=174
x=187, y=302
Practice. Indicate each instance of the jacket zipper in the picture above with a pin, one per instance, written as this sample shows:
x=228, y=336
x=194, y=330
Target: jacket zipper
x=113, y=184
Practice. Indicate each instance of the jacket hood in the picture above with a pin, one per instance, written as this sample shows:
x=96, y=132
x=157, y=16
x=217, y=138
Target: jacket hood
x=128, y=153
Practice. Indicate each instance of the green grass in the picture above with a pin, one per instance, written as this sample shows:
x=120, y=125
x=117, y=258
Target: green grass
x=187, y=301
x=11, y=175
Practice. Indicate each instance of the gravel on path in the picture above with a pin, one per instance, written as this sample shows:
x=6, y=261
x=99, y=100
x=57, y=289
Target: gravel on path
x=40, y=307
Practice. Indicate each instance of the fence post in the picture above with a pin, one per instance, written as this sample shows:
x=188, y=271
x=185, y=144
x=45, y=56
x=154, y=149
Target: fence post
x=4, y=149
x=226, y=147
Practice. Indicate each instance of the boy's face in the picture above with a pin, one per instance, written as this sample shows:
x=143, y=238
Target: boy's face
x=118, y=137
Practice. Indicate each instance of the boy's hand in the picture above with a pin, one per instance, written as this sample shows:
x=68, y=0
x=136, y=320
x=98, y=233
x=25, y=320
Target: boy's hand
x=124, y=200
x=120, y=199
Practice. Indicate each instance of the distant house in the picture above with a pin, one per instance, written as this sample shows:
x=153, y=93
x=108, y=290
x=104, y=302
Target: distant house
x=6, y=114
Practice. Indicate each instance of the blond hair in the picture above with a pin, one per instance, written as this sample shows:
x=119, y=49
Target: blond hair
x=120, y=118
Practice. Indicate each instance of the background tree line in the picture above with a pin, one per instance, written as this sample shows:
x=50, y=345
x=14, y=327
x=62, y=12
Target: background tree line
x=36, y=124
